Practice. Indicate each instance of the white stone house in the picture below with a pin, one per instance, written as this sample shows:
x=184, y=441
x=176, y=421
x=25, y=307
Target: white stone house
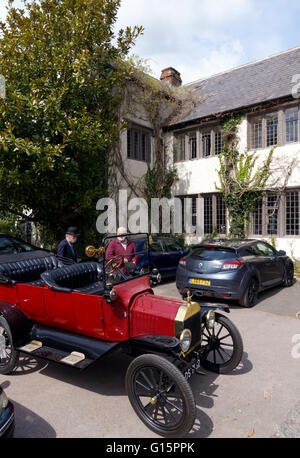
x=268, y=92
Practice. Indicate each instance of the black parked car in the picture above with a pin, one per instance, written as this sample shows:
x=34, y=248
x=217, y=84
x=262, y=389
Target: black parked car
x=164, y=255
x=233, y=269
x=12, y=245
x=7, y=416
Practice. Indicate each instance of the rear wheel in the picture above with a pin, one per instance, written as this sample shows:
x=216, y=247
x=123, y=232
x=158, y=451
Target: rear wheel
x=160, y=396
x=222, y=346
x=8, y=355
x=250, y=296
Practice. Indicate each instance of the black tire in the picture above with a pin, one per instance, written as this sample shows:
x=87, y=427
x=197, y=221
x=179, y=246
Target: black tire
x=8, y=355
x=222, y=346
x=160, y=396
x=288, y=279
x=250, y=296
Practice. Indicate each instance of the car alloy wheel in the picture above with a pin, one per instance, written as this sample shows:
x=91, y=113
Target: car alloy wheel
x=252, y=292
x=160, y=395
x=249, y=298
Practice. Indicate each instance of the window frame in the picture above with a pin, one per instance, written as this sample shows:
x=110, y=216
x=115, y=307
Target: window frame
x=281, y=111
x=176, y=137
x=197, y=134
x=296, y=108
x=214, y=213
x=141, y=132
x=192, y=139
x=194, y=211
x=282, y=219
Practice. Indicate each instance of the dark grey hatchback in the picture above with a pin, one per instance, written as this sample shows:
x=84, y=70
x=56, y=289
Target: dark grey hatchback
x=233, y=269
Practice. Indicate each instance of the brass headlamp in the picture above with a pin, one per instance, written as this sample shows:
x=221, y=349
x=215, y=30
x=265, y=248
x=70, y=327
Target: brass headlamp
x=90, y=251
x=188, y=314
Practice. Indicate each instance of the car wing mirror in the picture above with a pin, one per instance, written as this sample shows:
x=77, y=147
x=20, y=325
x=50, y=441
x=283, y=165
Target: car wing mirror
x=281, y=253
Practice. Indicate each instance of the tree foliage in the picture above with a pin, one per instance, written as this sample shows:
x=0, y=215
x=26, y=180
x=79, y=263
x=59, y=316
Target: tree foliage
x=59, y=120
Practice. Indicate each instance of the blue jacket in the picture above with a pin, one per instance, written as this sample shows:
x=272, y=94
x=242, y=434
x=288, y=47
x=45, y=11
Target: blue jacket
x=64, y=249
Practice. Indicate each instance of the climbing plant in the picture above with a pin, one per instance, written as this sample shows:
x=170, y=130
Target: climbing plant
x=159, y=105
x=242, y=181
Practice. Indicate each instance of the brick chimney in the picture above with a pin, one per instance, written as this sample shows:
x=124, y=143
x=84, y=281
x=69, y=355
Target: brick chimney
x=171, y=76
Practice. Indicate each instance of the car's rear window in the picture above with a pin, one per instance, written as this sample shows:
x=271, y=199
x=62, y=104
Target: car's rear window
x=213, y=253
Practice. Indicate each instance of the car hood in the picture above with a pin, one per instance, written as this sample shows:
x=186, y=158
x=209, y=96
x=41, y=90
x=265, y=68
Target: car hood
x=153, y=314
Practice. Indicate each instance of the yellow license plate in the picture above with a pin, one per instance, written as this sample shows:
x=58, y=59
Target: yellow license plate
x=198, y=281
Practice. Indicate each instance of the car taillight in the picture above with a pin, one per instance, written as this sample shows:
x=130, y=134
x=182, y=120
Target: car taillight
x=232, y=265
x=182, y=262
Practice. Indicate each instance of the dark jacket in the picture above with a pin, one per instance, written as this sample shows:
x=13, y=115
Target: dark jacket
x=64, y=249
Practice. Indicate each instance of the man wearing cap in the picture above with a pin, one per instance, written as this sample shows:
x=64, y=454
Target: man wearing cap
x=65, y=247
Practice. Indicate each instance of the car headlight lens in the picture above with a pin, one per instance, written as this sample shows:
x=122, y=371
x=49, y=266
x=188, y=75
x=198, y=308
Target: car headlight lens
x=210, y=319
x=185, y=340
x=3, y=400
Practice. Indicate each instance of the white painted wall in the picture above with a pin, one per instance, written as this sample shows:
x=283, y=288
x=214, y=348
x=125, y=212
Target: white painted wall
x=200, y=175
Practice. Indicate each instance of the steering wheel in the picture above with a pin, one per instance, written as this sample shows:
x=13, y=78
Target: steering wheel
x=114, y=265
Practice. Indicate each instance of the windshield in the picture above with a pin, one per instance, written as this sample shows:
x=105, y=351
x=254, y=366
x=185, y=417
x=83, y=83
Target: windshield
x=125, y=257
x=11, y=245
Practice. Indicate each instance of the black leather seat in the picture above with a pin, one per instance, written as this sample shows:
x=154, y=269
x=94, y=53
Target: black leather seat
x=28, y=271
x=85, y=277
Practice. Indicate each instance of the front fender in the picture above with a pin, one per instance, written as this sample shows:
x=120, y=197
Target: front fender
x=152, y=343
x=207, y=307
x=19, y=324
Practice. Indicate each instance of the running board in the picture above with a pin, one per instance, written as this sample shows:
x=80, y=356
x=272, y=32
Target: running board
x=74, y=359
x=65, y=347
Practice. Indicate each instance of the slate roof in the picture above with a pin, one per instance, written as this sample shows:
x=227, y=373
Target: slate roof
x=251, y=84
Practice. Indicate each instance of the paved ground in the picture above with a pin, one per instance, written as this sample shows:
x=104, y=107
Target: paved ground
x=261, y=398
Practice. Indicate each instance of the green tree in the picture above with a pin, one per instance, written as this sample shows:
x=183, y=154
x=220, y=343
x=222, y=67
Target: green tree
x=59, y=120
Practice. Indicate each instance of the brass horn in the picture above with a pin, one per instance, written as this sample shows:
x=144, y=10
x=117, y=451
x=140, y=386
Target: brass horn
x=90, y=251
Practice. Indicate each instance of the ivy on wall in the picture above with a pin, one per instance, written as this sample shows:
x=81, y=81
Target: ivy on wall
x=242, y=182
x=160, y=105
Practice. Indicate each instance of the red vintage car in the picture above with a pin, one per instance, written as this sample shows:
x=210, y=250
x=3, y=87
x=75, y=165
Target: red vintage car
x=76, y=314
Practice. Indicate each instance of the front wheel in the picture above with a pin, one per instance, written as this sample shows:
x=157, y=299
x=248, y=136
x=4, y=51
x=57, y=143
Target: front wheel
x=160, y=396
x=222, y=346
x=288, y=279
x=8, y=355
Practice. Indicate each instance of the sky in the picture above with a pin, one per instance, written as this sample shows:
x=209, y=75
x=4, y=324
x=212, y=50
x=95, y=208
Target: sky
x=200, y=38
